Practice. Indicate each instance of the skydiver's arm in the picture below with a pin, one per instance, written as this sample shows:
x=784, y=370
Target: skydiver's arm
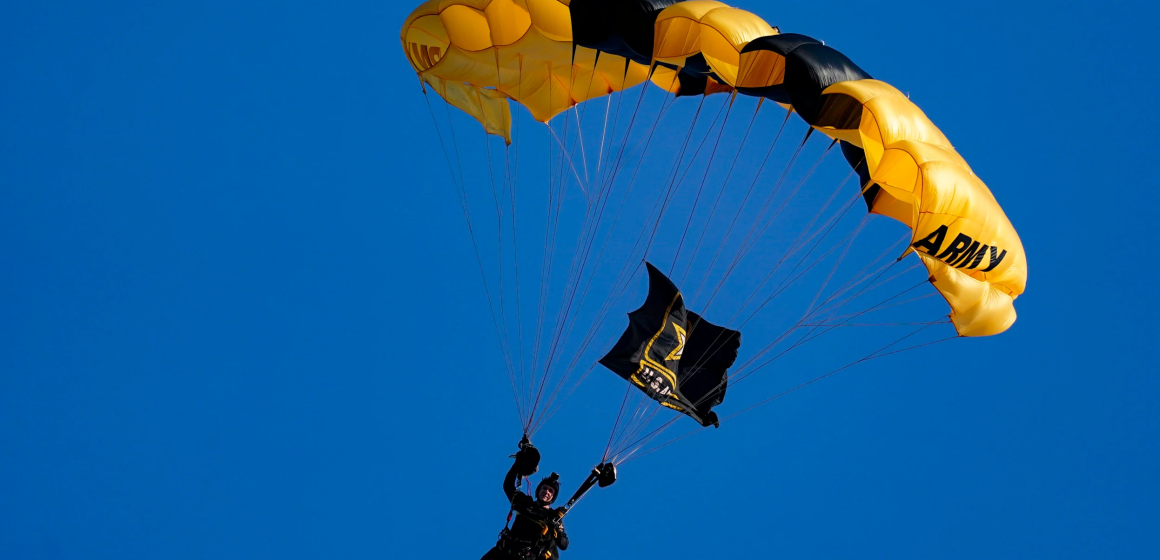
x=511, y=484
x=561, y=538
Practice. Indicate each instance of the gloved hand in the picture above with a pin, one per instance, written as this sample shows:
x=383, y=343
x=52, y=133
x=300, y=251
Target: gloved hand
x=527, y=459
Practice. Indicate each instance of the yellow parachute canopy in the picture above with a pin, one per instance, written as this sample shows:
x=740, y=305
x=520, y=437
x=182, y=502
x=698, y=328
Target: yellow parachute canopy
x=476, y=54
x=975, y=258
x=517, y=49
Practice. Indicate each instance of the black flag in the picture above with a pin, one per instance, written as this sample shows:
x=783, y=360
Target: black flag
x=672, y=354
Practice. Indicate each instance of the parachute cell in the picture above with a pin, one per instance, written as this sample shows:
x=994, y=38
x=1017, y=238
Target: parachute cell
x=518, y=49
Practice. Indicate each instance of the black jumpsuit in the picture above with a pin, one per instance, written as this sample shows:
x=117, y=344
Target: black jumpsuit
x=531, y=527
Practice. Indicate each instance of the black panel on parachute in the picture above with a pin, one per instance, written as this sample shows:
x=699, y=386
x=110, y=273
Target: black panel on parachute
x=672, y=354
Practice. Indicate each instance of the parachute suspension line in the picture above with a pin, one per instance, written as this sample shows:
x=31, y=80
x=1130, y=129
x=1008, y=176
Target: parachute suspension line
x=727, y=107
x=550, y=406
x=603, y=132
x=809, y=336
x=846, y=242
x=589, y=337
x=499, y=247
x=786, y=283
x=568, y=157
x=738, y=372
x=615, y=424
x=630, y=457
x=541, y=375
x=704, y=178
x=545, y=263
x=641, y=419
x=911, y=300
x=615, y=169
x=794, y=247
x=556, y=191
x=572, y=272
x=583, y=155
x=580, y=381
x=751, y=239
x=669, y=194
x=791, y=251
x=566, y=307
x=678, y=177
x=516, y=263
x=629, y=438
x=563, y=144
x=603, y=165
x=513, y=182
x=788, y=252
x=799, y=243
x=872, y=356
x=629, y=427
x=587, y=253
x=641, y=442
x=586, y=185
x=460, y=191
x=625, y=439
x=875, y=324
x=811, y=309
x=630, y=435
x=667, y=197
x=879, y=353
x=861, y=276
x=501, y=327
x=747, y=249
x=824, y=231
x=627, y=133
x=551, y=225
x=572, y=284
x=720, y=193
x=557, y=188
x=869, y=288
x=741, y=207
x=628, y=450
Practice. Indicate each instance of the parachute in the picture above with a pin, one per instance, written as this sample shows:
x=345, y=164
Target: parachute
x=909, y=171
x=555, y=59
x=662, y=337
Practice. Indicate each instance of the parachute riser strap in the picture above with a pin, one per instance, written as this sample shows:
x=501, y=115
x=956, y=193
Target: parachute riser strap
x=603, y=474
x=511, y=509
x=584, y=488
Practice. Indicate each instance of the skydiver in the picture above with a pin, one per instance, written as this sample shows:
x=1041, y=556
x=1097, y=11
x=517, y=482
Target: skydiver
x=537, y=533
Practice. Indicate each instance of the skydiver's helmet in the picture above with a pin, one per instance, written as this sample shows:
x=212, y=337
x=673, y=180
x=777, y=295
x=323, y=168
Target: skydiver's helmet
x=551, y=481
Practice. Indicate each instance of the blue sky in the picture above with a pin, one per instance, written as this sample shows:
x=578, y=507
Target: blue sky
x=242, y=319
